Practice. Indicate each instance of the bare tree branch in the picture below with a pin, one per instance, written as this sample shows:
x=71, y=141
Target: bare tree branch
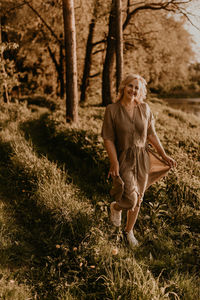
x=129, y=44
x=98, y=51
x=185, y=14
x=99, y=42
x=144, y=7
x=128, y=7
x=52, y=55
x=39, y=16
x=12, y=8
x=139, y=33
x=43, y=21
x=95, y=75
x=172, y=5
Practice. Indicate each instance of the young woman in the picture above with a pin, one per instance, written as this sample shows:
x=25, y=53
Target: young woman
x=127, y=130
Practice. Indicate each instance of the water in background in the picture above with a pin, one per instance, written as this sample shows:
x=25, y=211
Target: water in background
x=191, y=105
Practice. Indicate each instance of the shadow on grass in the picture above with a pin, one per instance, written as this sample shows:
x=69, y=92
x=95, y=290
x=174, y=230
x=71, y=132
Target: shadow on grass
x=40, y=101
x=88, y=169
x=34, y=255
x=74, y=150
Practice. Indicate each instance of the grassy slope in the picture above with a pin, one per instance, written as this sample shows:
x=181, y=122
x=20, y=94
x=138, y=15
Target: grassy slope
x=56, y=239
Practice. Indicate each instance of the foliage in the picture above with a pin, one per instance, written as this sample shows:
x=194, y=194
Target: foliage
x=8, y=74
x=194, y=71
x=159, y=49
x=42, y=31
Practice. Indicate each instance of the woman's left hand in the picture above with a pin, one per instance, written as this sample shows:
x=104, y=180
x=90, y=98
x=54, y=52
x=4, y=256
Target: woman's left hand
x=171, y=162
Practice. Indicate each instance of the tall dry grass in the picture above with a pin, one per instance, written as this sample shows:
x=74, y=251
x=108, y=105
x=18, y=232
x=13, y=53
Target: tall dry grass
x=59, y=243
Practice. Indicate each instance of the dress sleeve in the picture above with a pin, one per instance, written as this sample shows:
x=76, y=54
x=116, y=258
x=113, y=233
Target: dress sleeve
x=108, y=131
x=151, y=125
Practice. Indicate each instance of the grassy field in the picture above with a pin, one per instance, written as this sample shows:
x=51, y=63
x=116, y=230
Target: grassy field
x=56, y=239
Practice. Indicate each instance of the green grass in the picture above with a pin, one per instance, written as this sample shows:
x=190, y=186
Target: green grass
x=56, y=240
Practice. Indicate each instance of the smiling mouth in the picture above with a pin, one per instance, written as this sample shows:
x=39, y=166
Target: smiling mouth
x=133, y=94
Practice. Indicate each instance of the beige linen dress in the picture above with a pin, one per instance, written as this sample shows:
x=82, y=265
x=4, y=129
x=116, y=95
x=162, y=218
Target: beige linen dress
x=139, y=166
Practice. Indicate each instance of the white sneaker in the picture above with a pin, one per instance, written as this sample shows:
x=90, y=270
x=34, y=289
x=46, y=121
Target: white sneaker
x=131, y=239
x=115, y=215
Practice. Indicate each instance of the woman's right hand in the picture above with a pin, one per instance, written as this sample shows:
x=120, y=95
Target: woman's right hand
x=114, y=169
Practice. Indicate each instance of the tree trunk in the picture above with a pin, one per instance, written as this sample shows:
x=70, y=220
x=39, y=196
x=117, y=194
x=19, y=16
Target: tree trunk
x=61, y=73
x=59, y=70
x=87, y=63
x=107, y=76
x=71, y=62
x=108, y=67
x=119, y=43
x=6, y=96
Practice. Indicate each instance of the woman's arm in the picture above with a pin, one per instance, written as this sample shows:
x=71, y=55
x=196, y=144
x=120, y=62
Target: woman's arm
x=112, y=154
x=155, y=141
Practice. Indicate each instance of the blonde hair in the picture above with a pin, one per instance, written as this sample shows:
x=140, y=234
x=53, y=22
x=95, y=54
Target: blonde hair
x=142, y=86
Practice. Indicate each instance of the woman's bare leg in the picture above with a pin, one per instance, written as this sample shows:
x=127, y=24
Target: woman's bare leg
x=132, y=215
x=131, y=218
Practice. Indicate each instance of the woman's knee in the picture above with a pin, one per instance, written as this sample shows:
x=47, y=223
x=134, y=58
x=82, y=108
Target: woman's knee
x=135, y=201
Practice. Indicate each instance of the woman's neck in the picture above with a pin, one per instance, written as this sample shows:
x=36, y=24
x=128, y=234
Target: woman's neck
x=129, y=102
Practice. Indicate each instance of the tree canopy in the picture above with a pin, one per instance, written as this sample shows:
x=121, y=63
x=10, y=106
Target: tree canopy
x=156, y=44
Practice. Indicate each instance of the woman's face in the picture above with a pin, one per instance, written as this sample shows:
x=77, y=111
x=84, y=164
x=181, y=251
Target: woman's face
x=131, y=90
